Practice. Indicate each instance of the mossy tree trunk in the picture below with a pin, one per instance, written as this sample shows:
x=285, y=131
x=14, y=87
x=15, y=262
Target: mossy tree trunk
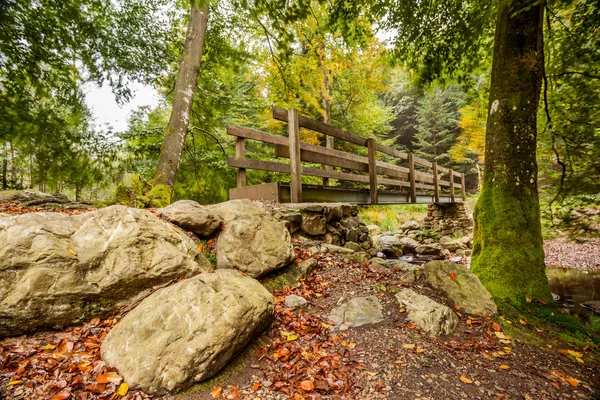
x=508, y=254
x=183, y=96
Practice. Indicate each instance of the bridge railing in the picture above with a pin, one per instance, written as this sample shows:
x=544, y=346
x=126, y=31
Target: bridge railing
x=429, y=177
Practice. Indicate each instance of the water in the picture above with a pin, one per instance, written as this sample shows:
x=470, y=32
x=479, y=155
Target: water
x=574, y=286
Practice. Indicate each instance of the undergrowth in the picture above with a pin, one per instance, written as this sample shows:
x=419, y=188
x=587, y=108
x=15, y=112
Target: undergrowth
x=390, y=217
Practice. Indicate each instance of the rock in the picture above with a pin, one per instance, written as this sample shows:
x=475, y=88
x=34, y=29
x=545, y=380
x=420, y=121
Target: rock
x=357, y=312
x=32, y=198
x=307, y=266
x=451, y=245
x=58, y=269
x=290, y=275
x=410, y=226
x=389, y=245
x=353, y=246
x=253, y=241
x=432, y=317
x=592, y=306
x=374, y=230
x=360, y=256
x=465, y=291
x=467, y=241
x=294, y=301
x=330, y=248
x=379, y=264
x=433, y=249
x=187, y=332
x=191, y=216
x=464, y=253
x=409, y=245
x=314, y=225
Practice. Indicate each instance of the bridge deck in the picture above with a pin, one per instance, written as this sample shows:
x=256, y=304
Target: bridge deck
x=392, y=176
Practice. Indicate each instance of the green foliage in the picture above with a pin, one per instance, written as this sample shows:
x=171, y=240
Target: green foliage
x=159, y=196
x=129, y=190
x=390, y=218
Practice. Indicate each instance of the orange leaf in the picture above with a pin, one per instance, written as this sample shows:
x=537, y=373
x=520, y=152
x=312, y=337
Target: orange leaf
x=556, y=385
x=523, y=321
x=216, y=392
x=496, y=326
x=504, y=366
x=572, y=381
x=62, y=395
x=70, y=250
x=256, y=386
x=200, y=247
x=307, y=385
x=465, y=379
x=109, y=377
x=411, y=326
x=453, y=276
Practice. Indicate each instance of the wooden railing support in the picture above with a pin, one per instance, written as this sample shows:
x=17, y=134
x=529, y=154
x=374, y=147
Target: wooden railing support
x=463, y=190
x=328, y=145
x=436, y=186
x=372, y=171
x=451, y=177
x=411, y=171
x=295, y=161
x=240, y=152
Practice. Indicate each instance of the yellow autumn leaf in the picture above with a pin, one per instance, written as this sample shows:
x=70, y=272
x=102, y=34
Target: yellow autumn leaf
x=572, y=381
x=465, y=379
x=49, y=347
x=70, y=250
x=504, y=366
x=14, y=383
x=123, y=389
x=575, y=354
x=292, y=336
x=579, y=360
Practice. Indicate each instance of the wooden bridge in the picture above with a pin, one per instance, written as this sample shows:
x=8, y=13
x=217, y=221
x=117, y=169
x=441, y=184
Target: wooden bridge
x=404, y=178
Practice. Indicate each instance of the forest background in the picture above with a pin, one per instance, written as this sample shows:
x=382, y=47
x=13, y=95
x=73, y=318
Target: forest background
x=50, y=141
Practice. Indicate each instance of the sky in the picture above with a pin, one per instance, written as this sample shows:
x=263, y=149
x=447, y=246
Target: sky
x=105, y=109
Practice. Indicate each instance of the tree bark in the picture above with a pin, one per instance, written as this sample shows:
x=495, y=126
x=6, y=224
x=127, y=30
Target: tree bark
x=508, y=254
x=183, y=96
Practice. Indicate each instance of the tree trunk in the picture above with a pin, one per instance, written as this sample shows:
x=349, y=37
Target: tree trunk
x=508, y=254
x=183, y=96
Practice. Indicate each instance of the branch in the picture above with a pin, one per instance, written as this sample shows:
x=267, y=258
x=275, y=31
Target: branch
x=212, y=136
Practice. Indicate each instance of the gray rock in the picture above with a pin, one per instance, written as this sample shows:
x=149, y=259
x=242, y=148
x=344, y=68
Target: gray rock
x=374, y=230
x=410, y=226
x=464, y=253
x=356, y=312
x=353, y=246
x=432, y=317
x=360, y=256
x=467, y=241
x=307, y=266
x=452, y=245
x=379, y=264
x=191, y=216
x=409, y=245
x=433, y=249
x=57, y=269
x=294, y=301
x=187, y=332
x=465, y=291
x=388, y=244
x=314, y=225
x=253, y=241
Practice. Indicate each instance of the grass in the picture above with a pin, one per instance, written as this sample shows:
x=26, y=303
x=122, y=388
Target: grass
x=389, y=218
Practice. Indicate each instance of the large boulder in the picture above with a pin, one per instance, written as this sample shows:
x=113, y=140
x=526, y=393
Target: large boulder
x=314, y=225
x=461, y=286
x=358, y=311
x=187, y=332
x=191, y=216
x=253, y=241
x=57, y=269
x=433, y=317
x=388, y=244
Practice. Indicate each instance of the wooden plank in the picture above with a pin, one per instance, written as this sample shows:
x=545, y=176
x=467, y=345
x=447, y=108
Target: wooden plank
x=336, y=158
x=372, y=171
x=451, y=178
x=317, y=126
x=266, y=191
x=240, y=152
x=436, y=188
x=256, y=135
x=295, y=160
x=411, y=168
x=423, y=161
x=248, y=163
x=443, y=183
x=463, y=190
x=390, y=151
x=443, y=170
x=335, y=175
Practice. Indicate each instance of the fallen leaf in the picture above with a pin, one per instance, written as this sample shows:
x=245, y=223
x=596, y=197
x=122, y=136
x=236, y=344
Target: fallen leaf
x=528, y=299
x=523, y=321
x=70, y=250
x=256, y=386
x=412, y=326
x=453, y=276
x=123, y=389
x=62, y=395
x=504, y=367
x=307, y=385
x=408, y=346
x=579, y=360
x=496, y=326
x=539, y=330
x=14, y=383
x=49, y=347
x=556, y=385
x=216, y=392
x=293, y=336
x=587, y=347
x=109, y=377
x=200, y=247
x=464, y=379
x=575, y=354
x=572, y=381
x=501, y=335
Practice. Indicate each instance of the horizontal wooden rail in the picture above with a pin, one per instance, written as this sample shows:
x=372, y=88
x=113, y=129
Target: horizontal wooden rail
x=370, y=170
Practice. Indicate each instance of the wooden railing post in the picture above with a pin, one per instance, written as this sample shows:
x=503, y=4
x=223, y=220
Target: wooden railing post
x=411, y=168
x=240, y=152
x=295, y=161
x=463, y=190
x=436, y=185
x=329, y=145
x=451, y=177
x=372, y=171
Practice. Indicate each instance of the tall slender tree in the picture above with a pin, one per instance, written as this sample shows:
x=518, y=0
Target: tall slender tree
x=183, y=96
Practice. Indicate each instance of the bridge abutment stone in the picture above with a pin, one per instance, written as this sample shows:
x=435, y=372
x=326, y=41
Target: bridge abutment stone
x=449, y=219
